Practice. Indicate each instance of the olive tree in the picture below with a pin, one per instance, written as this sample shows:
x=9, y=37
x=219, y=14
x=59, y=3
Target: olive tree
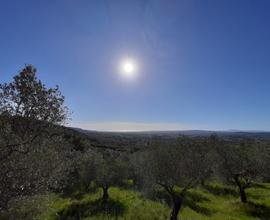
x=111, y=170
x=177, y=167
x=31, y=149
x=86, y=170
x=240, y=164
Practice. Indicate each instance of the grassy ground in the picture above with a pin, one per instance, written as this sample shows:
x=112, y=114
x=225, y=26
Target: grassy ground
x=214, y=202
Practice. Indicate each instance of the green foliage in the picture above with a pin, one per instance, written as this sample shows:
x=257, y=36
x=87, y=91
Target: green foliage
x=27, y=97
x=177, y=165
x=110, y=170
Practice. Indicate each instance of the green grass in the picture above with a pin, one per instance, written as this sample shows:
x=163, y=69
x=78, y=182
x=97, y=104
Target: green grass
x=214, y=202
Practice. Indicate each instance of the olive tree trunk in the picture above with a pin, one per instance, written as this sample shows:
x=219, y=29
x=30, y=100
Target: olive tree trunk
x=105, y=196
x=243, y=195
x=177, y=204
x=241, y=189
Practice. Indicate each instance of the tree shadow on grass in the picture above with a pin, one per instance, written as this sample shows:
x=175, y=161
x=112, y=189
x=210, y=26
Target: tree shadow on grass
x=78, y=210
x=78, y=195
x=221, y=190
x=192, y=200
x=260, y=185
x=258, y=210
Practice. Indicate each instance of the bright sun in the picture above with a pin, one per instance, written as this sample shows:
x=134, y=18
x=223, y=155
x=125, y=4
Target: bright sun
x=128, y=68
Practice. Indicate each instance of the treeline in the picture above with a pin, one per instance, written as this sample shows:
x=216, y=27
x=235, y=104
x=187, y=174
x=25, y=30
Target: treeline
x=39, y=155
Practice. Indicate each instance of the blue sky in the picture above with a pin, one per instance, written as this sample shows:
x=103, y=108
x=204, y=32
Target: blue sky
x=201, y=64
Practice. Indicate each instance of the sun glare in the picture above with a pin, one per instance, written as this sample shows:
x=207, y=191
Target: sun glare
x=128, y=68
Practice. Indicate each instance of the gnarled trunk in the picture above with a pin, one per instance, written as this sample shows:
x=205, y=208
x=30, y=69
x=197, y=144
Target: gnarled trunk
x=242, y=191
x=105, y=196
x=243, y=195
x=177, y=204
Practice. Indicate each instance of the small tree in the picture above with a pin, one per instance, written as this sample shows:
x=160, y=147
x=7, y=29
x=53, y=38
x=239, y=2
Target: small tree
x=111, y=170
x=240, y=164
x=177, y=168
x=86, y=169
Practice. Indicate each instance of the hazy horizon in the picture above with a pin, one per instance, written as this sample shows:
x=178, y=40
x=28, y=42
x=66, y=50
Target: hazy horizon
x=148, y=127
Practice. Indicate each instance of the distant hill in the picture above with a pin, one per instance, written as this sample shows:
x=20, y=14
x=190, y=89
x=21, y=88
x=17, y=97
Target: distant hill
x=192, y=133
x=138, y=140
